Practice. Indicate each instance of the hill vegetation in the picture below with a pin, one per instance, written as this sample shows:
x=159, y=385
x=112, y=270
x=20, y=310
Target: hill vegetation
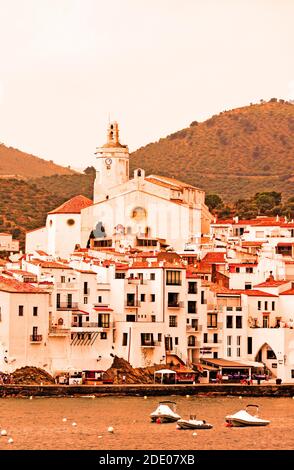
x=234, y=154
x=24, y=204
x=14, y=163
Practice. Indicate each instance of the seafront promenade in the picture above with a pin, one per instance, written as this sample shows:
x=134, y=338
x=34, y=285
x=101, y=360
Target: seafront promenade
x=202, y=390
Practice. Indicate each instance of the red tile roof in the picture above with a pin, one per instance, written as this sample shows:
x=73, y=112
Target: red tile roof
x=214, y=257
x=49, y=264
x=17, y=287
x=271, y=283
x=288, y=292
x=103, y=309
x=73, y=205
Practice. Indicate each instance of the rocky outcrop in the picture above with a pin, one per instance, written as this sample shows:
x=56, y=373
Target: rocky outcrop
x=31, y=376
x=121, y=372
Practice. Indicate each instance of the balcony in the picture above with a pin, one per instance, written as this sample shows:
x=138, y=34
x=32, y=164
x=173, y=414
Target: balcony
x=193, y=328
x=58, y=331
x=66, y=285
x=36, y=338
x=132, y=303
x=103, y=286
x=87, y=291
x=67, y=306
x=217, y=326
x=179, y=304
x=150, y=344
x=90, y=327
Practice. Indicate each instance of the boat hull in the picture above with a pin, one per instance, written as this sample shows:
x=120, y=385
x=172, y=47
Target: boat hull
x=192, y=424
x=164, y=419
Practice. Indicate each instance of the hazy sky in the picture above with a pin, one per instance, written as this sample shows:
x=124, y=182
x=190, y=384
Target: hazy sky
x=154, y=65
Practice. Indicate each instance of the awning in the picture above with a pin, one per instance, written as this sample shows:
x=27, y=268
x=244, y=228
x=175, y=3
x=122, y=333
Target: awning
x=164, y=371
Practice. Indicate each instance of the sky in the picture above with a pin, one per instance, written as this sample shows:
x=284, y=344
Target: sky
x=154, y=66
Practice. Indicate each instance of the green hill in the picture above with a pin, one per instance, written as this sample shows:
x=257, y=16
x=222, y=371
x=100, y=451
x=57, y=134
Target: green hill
x=234, y=154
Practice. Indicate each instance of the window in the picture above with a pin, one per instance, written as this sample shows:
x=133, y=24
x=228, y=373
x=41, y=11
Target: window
x=142, y=297
x=215, y=337
x=99, y=299
x=249, y=345
x=85, y=300
x=152, y=298
x=203, y=301
x=194, y=323
x=192, y=306
x=125, y=339
x=229, y=352
x=238, y=352
x=103, y=320
x=153, y=318
x=147, y=339
x=192, y=287
x=120, y=275
x=173, y=299
x=237, y=270
x=238, y=321
x=130, y=300
x=238, y=346
x=249, y=270
x=248, y=285
x=273, y=306
x=159, y=337
x=130, y=318
x=229, y=321
x=35, y=311
x=211, y=320
x=57, y=300
x=238, y=340
x=87, y=318
x=20, y=310
x=173, y=278
x=265, y=321
x=292, y=373
x=152, y=276
x=215, y=354
x=86, y=290
x=205, y=338
x=266, y=305
x=176, y=341
x=69, y=300
x=173, y=321
x=229, y=340
x=103, y=335
x=62, y=279
x=259, y=305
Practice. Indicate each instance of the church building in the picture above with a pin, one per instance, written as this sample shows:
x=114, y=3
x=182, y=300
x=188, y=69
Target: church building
x=144, y=212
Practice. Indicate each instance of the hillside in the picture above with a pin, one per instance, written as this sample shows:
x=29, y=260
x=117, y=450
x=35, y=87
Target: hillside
x=234, y=154
x=24, y=204
x=13, y=162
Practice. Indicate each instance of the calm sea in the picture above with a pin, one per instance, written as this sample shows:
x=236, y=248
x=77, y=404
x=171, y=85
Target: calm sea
x=37, y=424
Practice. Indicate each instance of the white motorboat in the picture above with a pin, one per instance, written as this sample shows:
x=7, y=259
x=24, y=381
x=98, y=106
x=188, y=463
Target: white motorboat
x=165, y=413
x=243, y=418
x=193, y=423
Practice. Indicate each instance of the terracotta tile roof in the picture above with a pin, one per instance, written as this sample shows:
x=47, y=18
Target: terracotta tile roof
x=49, y=264
x=4, y=234
x=271, y=283
x=252, y=243
x=73, y=205
x=214, y=257
x=169, y=182
x=249, y=292
x=288, y=292
x=14, y=286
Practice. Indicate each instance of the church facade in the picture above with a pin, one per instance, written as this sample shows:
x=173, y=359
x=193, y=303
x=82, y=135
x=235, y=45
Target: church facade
x=143, y=212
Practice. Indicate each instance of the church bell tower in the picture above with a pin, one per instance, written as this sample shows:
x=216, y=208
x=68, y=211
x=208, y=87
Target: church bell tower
x=112, y=166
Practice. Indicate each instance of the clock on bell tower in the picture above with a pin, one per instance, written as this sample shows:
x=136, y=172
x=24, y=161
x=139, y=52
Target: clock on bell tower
x=112, y=166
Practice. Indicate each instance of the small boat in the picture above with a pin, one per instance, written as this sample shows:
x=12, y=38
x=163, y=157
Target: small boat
x=193, y=423
x=165, y=413
x=243, y=418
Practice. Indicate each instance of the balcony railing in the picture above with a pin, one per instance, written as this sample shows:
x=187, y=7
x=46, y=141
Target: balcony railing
x=66, y=285
x=59, y=330
x=36, y=338
x=150, y=344
x=179, y=304
x=194, y=328
x=67, y=306
x=132, y=303
x=88, y=324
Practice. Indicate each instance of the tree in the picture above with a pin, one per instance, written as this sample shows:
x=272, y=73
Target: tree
x=90, y=170
x=213, y=201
